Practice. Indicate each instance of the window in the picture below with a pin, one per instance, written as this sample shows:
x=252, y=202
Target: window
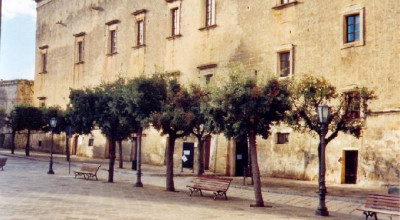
x=284, y=61
x=353, y=26
x=113, y=41
x=175, y=21
x=284, y=64
x=210, y=13
x=79, y=47
x=285, y=1
x=112, y=37
x=282, y=138
x=140, y=16
x=91, y=142
x=42, y=102
x=39, y=143
x=80, y=51
x=353, y=104
x=140, y=33
x=206, y=74
x=44, y=62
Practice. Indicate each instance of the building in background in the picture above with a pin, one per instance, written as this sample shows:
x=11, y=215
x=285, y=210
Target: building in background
x=352, y=43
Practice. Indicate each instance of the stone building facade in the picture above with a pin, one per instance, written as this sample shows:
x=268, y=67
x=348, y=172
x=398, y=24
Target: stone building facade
x=353, y=43
x=13, y=92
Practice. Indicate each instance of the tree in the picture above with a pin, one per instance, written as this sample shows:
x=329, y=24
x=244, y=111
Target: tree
x=102, y=107
x=308, y=93
x=62, y=123
x=26, y=117
x=203, y=124
x=3, y=118
x=250, y=110
x=144, y=96
x=174, y=119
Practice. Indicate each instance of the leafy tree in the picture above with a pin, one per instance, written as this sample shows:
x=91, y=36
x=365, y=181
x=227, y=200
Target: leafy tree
x=144, y=96
x=203, y=124
x=104, y=108
x=26, y=117
x=250, y=110
x=62, y=123
x=175, y=121
x=310, y=92
x=3, y=118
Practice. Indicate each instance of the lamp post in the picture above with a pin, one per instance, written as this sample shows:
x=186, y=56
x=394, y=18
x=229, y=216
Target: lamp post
x=139, y=159
x=323, y=115
x=53, y=123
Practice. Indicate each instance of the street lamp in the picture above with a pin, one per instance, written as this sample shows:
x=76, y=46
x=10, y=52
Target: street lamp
x=53, y=124
x=323, y=115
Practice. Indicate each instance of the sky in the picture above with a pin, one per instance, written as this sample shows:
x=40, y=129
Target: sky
x=18, y=33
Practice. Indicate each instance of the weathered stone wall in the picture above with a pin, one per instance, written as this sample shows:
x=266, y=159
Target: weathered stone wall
x=247, y=35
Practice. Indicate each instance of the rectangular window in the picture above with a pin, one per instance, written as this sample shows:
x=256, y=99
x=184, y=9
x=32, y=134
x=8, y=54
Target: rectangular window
x=210, y=12
x=353, y=28
x=282, y=138
x=284, y=64
x=113, y=41
x=140, y=33
x=91, y=142
x=285, y=1
x=42, y=103
x=208, y=79
x=175, y=21
x=353, y=103
x=44, y=62
x=79, y=54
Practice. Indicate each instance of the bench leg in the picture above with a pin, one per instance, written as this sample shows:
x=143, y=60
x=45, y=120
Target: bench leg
x=370, y=214
x=96, y=177
x=220, y=194
x=192, y=190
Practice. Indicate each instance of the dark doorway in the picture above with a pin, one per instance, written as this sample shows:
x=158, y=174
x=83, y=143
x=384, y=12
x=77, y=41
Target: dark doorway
x=350, y=166
x=207, y=149
x=241, y=156
x=188, y=155
x=75, y=145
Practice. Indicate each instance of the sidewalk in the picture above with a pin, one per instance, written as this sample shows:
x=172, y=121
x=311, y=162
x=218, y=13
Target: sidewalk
x=290, y=199
x=352, y=193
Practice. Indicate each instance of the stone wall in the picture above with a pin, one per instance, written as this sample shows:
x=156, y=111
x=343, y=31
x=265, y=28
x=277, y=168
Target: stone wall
x=247, y=36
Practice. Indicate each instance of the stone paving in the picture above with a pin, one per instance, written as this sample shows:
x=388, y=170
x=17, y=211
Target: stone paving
x=28, y=192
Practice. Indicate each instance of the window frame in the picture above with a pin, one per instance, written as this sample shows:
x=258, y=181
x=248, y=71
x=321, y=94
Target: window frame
x=112, y=37
x=210, y=13
x=140, y=28
x=352, y=11
x=288, y=48
x=43, y=60
x=79, y=48
x=207, y=73
x=355, y=112
x=285, y=138
x=175, y=27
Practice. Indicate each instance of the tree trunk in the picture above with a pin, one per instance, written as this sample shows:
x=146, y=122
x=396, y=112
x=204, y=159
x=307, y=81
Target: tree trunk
x=111, y=144
x=28, y=143
x=121, y=162
x=170, y=164
x=255, y=169
x=200, y=157
x=12, y=141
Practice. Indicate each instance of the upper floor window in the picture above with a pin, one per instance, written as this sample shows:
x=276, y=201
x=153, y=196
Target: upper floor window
x=285, y=1
x=140, y=17
x=112, y=37
x=284, y=63
x=113, y=41
x=43, y=58
x=210, y=12
x=175, y=21
x=353, y=26
x=140, y=33
x=79, y=47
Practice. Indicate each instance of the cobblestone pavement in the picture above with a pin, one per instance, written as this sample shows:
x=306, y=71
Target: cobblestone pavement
x=28, y=192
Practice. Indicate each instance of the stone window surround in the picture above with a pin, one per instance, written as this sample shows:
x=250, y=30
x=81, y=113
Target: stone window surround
x=354, y=88
x=204, y=17
x=140, y=15
x=112, y=26
x=42, y=101
x=43, y=50
x=80, y=37
x=279, y=129
x=352, y=10
x=174, y=4
x=284, y=48
x=207, y=70
x=279, y=5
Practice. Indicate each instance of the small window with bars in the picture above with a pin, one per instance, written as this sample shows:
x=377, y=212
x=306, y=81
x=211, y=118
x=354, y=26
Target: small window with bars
x=282, y=138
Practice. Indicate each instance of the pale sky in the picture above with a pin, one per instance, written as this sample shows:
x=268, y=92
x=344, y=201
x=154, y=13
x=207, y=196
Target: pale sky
x=17, y=51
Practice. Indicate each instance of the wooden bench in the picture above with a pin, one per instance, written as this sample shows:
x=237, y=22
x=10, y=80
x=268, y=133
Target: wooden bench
x=87, y=171
x=218, y=186
x=3, y=162
x=384, y=204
